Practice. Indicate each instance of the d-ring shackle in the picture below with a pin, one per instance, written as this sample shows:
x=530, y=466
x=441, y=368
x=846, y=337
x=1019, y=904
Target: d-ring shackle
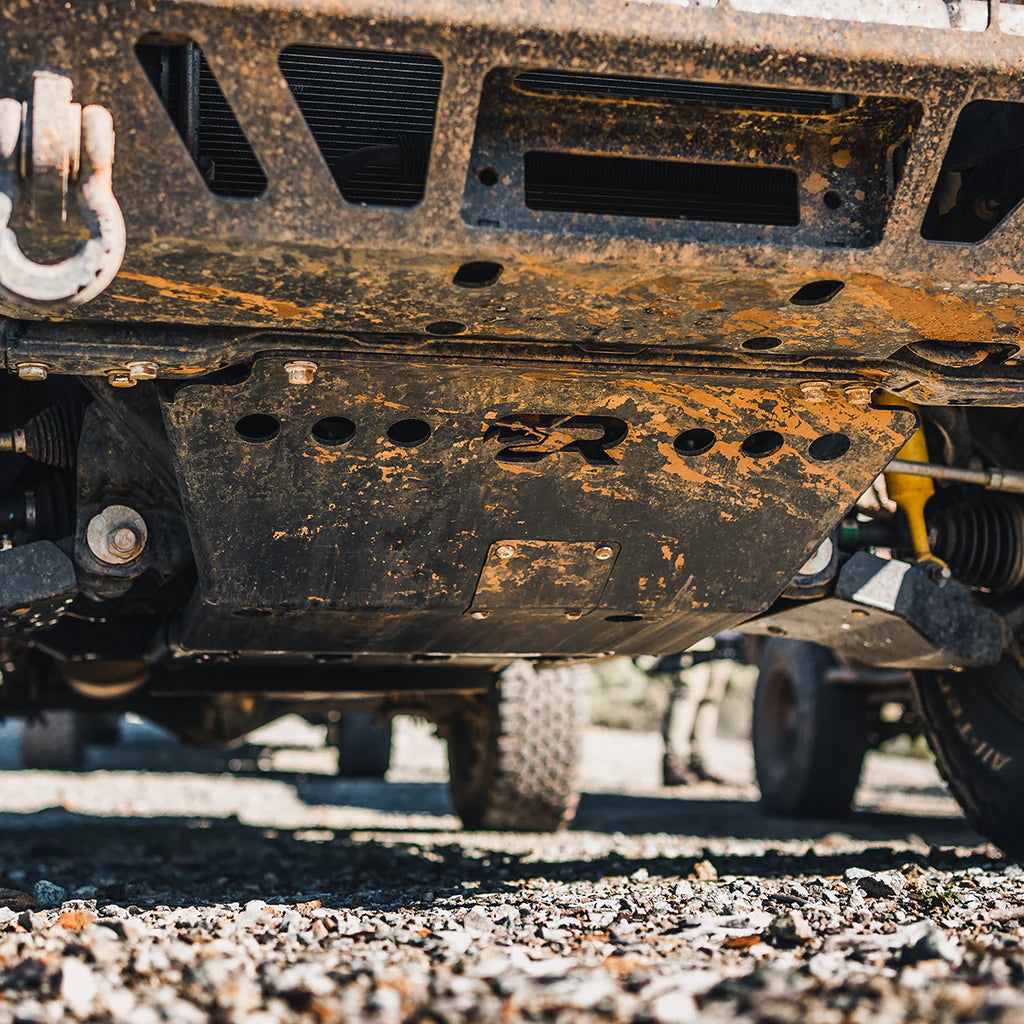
x=53, y=142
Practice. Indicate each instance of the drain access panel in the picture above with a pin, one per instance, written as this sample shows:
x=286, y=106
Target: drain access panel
x=424, y=508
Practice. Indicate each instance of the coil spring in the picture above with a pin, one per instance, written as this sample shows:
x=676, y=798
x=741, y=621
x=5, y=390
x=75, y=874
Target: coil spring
x=981, y=539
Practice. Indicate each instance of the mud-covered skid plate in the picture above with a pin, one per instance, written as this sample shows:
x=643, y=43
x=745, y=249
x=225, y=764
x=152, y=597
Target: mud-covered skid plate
x=431, y=508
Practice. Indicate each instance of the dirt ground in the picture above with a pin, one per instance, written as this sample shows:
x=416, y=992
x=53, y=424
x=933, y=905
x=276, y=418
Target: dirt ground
x=167, y=889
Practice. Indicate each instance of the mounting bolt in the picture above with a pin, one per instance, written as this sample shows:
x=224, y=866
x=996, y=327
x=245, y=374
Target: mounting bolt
x=480, y=615
x=603, y=553
x=124, y=540
x=33, y=371
x=574, y=613
x=504, y=551
x=815, y=390
x=142, y=369
x=300, y=371
x=120, y=379
x=858, y=394
x=117, y=535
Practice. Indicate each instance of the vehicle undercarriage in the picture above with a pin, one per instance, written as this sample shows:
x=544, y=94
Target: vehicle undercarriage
x=401, y=348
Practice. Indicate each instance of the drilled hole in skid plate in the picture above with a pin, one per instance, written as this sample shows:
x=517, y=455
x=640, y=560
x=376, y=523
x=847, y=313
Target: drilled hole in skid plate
x=762, y=443
x=829, y=446
x=477, y=274
x=445, y=328
x=333, y=430
x=408, y=433
x=257, y=428
x=816, y=293
x=832, y=199
x=696, y=441
x=487, y=176
x=761, y=344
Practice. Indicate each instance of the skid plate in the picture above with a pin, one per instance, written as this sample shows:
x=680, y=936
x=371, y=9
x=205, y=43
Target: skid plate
x=468, y=509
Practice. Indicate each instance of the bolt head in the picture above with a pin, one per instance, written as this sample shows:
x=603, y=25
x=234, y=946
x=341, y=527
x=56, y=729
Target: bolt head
x=814, y=390
x=574, y=613
x=504, y=551
x=120, y=379
x=142, y=369
x=858, y=394
x=123, y=539
x=300, y=371
x=603, y=553
x=33, y=371
x=479, y=615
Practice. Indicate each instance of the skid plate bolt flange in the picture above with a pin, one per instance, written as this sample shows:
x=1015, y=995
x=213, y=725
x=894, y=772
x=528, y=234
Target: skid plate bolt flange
x=300, y=371
x=858, y=394
x=142, y=369
x=603, y=553
x=814, y=390
x=117, y=535
x=33, y=371
x=504, y=551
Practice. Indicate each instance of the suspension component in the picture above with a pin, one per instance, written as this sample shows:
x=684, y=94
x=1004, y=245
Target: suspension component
x=912, y=492
x=50, y=438
x=981, y=538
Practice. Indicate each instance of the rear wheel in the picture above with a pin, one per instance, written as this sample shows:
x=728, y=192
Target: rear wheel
x=55, y=741
x=515, y=757
x=809, y=736
x=364, y=745
x=975, y=724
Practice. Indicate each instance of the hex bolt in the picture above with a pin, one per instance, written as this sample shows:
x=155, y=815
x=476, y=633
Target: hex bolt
x=33, y=371
x=117, y=535
x=300, y=371
x=124, y=540
x=480, y=615
x=142, y=369
x=574, y=613
x=120, y=379
x=603, y=553
x=858, y=394
x=504, y=551
x=814, y=390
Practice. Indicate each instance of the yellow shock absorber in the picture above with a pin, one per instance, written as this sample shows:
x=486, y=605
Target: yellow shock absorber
x=911, y=493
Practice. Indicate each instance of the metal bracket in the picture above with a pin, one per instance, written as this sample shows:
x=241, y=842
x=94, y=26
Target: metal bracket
x=55, y=142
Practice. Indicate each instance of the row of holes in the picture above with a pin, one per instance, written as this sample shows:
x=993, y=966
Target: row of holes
x=761, y=444
x=332, y=431
x=259, y=428
x=484, y=273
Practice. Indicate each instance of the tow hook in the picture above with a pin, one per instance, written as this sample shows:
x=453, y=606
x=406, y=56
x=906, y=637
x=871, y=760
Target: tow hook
x=50, y=149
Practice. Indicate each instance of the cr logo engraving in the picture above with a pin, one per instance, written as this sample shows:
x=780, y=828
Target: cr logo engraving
x=530, y=437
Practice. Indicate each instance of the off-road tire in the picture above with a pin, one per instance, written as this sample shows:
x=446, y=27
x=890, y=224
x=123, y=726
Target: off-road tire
x=54, y=741
x=974, y=721
x=364, y=745
x=809, y=736
x=515, y=759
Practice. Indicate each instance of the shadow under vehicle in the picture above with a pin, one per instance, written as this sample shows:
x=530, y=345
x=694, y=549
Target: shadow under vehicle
x=403, y=360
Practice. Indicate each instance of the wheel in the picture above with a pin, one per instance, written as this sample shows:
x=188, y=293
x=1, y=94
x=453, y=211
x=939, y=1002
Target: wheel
x=809, y=736
x=55, y=740
x=515, y=758
x=974, y=721
x=364, y=745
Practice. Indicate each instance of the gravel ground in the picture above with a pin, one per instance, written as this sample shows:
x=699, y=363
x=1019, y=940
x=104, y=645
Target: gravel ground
x=280, y=894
